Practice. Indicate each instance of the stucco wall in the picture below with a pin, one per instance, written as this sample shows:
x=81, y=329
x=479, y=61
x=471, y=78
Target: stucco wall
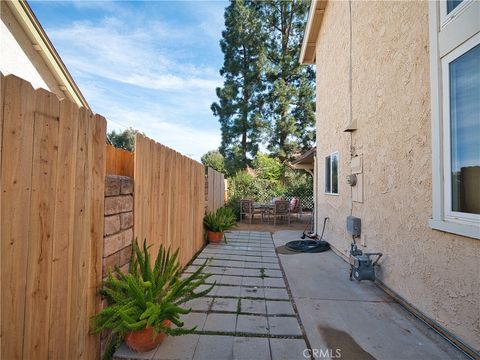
x=18, y=56
x=436, y=272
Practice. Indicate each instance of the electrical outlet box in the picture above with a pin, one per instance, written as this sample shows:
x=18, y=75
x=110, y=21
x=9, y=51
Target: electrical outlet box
x=354, y=226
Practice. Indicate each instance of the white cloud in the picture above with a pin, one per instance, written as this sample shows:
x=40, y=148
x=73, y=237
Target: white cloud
x=188, y=140
x=141, y=72
x=131, y=57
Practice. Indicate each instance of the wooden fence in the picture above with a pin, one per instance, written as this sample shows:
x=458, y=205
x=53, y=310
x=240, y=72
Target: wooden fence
x=52, y=193
x=168, y=197
x=119, y=162
x=215, y=190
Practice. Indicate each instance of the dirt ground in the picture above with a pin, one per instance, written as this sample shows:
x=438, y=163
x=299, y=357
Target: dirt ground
x=257, y=225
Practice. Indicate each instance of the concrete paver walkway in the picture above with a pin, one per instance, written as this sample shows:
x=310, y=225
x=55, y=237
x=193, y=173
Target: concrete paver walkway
x=248, y=315
x=254, y=314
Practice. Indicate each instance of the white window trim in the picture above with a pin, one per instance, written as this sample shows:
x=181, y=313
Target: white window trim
x=446, y=39
x=331, y=172
x=445, y=18
x=461, y=217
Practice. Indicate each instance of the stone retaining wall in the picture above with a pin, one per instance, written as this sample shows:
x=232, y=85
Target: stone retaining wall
x=118, y=229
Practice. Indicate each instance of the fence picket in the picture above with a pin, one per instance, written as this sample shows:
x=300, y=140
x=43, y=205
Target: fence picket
x=167, y=197
x=63, y=231
x=18, y=109
x=215, y=190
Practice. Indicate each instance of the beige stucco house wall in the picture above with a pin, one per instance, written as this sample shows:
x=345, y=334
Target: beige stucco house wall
x=372, y=64
x=26, y=51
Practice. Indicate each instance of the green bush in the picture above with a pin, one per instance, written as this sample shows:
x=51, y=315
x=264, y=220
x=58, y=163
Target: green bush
x=271, y=179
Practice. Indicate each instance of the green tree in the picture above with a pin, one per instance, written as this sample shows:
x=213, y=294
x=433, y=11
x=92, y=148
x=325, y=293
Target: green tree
x=123, y=140
x=268, y=168
x=215, y=160
x=290, y=96
x=239, y=102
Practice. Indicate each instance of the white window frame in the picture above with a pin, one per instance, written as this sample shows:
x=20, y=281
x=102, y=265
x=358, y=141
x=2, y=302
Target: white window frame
x=335, y=153
x=446, y=60
x=445, y=18
x=450, y=37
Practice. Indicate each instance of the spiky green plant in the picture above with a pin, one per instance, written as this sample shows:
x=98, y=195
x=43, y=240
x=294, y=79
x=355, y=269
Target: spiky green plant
x=147, y=296
x=221, y=220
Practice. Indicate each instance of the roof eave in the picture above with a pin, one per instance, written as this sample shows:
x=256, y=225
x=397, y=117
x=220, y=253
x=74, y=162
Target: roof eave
x=31, y=25
x=305, y=160
x=315, y=16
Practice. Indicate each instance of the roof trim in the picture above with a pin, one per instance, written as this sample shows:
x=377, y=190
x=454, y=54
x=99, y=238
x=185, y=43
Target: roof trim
x=315, y=17
x=29, y=22
x=305, y=159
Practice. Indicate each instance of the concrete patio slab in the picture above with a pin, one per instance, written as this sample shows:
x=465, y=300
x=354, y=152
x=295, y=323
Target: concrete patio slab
x=252, y=292
x=214, y=278
x=357, y=318
x=252, y=281
x=194, y=319
x=220, y=304
x=124, y=353
x=274, y=282
x=250, y=348
x=169, y=348
x=212, y=347
x=280, y=308
x=230, y=280
x=251, y=324
x=234, y=271
x=278, y=294
x=285, y=326
x=289, y=349
x=200, y=304
x=251, y=306
x=233, y=291
x=251, y=272
x=220, y=322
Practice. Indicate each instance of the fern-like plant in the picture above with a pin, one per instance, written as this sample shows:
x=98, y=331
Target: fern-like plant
x=148, y=296
x=221, y=220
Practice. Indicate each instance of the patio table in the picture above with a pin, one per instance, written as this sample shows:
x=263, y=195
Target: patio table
x=264, y=207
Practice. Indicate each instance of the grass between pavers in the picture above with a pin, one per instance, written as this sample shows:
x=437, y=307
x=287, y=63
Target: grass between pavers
x=246, y=298
x=241, y=313
x=243, y=334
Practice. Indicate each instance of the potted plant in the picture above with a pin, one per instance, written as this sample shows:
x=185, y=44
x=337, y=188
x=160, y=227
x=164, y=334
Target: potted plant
x=216, y=223
x=143, y=304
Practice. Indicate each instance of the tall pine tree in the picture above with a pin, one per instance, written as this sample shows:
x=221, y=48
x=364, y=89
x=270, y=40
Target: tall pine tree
x=290, y=94
x=239, y=101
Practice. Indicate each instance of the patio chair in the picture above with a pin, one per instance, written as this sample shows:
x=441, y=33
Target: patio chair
x=247, y=208
x=296, y=207
x=281, y=208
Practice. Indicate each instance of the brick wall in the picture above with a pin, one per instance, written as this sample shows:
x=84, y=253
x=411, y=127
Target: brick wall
x=118, y=230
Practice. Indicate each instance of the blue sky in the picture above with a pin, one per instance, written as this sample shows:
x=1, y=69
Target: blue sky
x=151, y=65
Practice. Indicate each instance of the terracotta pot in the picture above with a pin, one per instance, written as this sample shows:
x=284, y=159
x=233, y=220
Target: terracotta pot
x=143, y=340
x=214, y=236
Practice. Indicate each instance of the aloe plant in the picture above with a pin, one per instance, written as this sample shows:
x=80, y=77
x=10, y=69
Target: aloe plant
x=147, y=296
x=220, y=220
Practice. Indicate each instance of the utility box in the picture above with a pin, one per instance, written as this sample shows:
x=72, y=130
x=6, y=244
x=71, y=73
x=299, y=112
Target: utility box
x=354, y=226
